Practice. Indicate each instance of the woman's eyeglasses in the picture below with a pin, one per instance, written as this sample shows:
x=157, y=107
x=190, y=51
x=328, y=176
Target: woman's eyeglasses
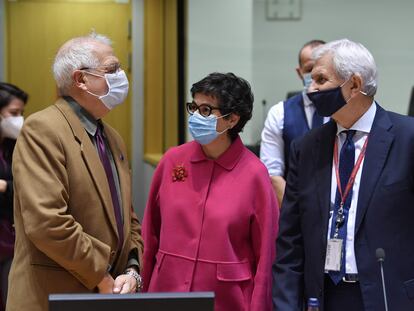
x=204, y=109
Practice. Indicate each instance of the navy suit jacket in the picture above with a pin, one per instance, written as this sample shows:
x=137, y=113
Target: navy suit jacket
x=295, y=124
x=385, y=217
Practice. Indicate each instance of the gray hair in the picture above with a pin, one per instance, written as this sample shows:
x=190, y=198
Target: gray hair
x=75, y=54
x=351, y=58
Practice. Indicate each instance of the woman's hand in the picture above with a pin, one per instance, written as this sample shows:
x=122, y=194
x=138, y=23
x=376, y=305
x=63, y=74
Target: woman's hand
x=3, y=185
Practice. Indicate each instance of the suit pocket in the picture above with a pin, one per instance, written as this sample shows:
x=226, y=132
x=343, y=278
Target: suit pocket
x=56, y=280
x=48, y=266
x=234, y=272
x=397, y=186
x=159, y=258
x=409, y=288
x=43, y=262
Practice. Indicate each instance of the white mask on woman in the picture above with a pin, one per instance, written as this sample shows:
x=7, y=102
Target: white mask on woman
x=11, y=126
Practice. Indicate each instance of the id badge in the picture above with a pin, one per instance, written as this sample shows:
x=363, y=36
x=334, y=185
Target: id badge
x=333, y=255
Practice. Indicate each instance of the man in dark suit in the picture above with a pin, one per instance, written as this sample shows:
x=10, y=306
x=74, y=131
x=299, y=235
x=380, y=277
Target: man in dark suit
x=349, y=191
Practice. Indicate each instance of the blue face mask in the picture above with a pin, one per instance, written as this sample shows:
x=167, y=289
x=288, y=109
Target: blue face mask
x=307, y=80
x=203, y=129
x=327, y=102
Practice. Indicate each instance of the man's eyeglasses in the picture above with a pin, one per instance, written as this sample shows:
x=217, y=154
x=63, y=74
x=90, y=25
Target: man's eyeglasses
x=111, y=68
x=204, y=109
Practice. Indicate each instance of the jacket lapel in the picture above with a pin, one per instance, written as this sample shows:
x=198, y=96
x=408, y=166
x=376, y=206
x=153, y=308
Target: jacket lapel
x=380, y=140
x=91, y=159
x=323, y=155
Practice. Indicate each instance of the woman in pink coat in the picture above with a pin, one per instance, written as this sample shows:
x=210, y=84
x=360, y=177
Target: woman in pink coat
x=211, y=220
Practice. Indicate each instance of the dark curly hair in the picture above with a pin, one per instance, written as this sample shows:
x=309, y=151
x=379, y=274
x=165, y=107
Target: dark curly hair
x=8, y=92
x=234, y=95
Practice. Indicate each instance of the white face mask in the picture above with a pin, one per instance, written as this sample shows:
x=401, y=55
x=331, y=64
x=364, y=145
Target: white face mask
x=117, y=88
x=11, y=126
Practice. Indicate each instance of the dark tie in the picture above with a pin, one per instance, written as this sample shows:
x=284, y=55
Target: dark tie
x=103, y=155
x=346, y=165
x=317, y=120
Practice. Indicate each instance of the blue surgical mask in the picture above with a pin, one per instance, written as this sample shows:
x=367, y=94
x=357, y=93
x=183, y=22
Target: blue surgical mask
x=203, y=129
x=307, y=80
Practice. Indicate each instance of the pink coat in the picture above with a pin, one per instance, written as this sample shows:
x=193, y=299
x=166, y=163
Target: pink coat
x=212, y=227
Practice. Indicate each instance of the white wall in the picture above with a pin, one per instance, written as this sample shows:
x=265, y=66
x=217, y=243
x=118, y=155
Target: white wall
x=384, y=27
x=234, y=35
x=219, y=39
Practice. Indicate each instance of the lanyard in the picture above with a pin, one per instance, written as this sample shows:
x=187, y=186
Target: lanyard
x=353, y=174
x=340, y=218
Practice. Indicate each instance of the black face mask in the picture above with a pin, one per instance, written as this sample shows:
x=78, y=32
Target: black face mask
x=327, y=102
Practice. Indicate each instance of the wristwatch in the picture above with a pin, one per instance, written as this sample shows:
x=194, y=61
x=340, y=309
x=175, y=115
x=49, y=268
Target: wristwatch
x=132, y=272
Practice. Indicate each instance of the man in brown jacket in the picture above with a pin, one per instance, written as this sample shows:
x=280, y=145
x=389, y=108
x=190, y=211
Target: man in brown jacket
x=75, y=227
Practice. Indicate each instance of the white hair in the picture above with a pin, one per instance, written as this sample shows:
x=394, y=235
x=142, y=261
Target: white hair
x=75, y=54
x=351, y=58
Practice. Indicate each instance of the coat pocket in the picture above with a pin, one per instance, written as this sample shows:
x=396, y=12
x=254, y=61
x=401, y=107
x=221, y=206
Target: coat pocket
x=159, y=259
x=47, y=267
x=234, y=272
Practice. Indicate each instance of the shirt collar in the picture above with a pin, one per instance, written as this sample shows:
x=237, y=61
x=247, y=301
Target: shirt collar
x=227, y=160
x=306, y=101
x=364, y=123
x=88, y=122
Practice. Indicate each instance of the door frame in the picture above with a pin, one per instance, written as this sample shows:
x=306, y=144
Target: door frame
x=3, y=69
x=140, y=183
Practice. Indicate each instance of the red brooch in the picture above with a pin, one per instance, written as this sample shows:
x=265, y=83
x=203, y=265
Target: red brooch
x=179, y=173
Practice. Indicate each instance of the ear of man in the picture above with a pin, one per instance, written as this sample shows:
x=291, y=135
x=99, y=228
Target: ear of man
x=80, y=79
x=356, y=84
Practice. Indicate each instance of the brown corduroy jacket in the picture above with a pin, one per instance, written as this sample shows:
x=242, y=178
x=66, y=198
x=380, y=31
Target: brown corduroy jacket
x=66, y=233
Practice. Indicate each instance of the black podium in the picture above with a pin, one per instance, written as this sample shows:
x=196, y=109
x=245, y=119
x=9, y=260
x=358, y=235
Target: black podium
x=200, y=301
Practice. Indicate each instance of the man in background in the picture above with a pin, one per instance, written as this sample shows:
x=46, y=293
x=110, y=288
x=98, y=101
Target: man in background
x=287, y=121
x=75, y=227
